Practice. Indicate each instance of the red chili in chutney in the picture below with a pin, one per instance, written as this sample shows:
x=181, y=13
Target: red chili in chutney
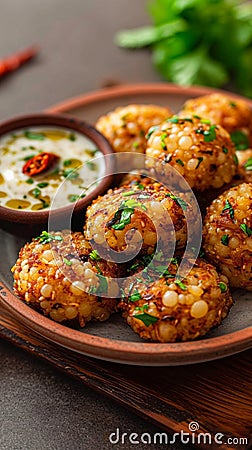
x=39, y=163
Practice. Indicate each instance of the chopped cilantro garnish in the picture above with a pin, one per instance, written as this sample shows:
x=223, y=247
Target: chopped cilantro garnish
x=94, y=255
x=228, y=207
x=135, y=144
x=71, y=174
x=34, y=136
x=225, y=150
x=181, y=285
x=73, y=198
x=123, y=215
x=135, y=296
x=180, y=162
x=200, y=159
x=26, y=158
x=46, y=237
x=236, y=161
x=67, y=262
x=103, y=286
x=223, y=287
x=42, y=184
x=206, y=121
x=240, y=140
x=178, y=200
x=225, y=239
x=140, y=186
x=142, y=308
x=36, y=192
x=127, y=194
x=163, y=144
x=146, y=318
x=173, y=119
x=72, y=137
x=248, y=164
x=67, y=162
x=233, y=104
x=91, y=165
x=246, y=229
x=29, y=181
x=151, y=130
x=209, y=135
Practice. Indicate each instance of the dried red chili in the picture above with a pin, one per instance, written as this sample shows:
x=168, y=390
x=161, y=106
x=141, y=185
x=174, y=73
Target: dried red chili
x=39, y=163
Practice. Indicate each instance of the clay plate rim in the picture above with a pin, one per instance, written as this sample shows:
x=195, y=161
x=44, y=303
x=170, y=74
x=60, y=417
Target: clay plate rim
x=137, y=353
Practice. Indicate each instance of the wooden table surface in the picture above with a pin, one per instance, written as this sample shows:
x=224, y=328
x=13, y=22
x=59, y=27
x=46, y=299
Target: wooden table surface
x=41, y=408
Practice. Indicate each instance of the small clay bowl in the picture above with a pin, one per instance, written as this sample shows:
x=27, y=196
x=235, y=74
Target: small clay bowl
x=15, y=219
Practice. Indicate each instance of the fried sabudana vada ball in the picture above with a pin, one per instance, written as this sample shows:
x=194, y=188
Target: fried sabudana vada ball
x=122, y=211
x=126, y=126
x=235, y=115
x=60, y=275
x=171, y=310
x=200, y=151
x=227, y=235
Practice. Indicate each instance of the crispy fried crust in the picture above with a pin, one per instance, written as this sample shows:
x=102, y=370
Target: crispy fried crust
x=152, y=200
x=231, y=113
x=125, y=127
x=227, y=235
x=168, y=310
x=58, y=277
x=199, y=150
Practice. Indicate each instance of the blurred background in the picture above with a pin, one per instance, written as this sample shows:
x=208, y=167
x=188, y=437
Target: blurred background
x=77, y=53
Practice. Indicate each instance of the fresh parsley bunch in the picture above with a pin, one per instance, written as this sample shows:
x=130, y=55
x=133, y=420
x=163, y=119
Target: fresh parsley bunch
x=206, y=42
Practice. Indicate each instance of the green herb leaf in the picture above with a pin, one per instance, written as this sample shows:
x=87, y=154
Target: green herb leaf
x=70, y=174
x=94, y=255
x=225, y=239
x=225, y=150
x=91, y=165
x=246, y=229
x=42, y=184
x=46, y=237
x=178, y=200
x=180, y=162
x=145, y=36
x=146, y=318
x=228, y=207
x=26, y=158
x=135, y=296
x=29, y=181
x=142, y=308
x=127, y=194
x=223, y=287
x=151, y=131
x=248, y=164
x=67, y=262
x=200, y=159
x=36, y=192
x=181, y=285
x=240, y=140
x=72, y=137
x=103, y=285
x=34, y=135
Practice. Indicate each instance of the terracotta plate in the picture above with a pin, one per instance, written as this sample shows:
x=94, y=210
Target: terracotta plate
x=113, y=340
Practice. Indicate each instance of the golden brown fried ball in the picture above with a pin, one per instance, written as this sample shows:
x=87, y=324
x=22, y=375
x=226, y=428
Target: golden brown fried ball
x=141, y=207
x=227, y=235
x=235, y=115
x=200, y=151
x=126, y=126
x=60, y=275
x=171, y=309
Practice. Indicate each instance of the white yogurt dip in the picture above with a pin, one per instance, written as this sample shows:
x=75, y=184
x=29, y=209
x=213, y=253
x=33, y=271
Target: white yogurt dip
x=77, y=168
